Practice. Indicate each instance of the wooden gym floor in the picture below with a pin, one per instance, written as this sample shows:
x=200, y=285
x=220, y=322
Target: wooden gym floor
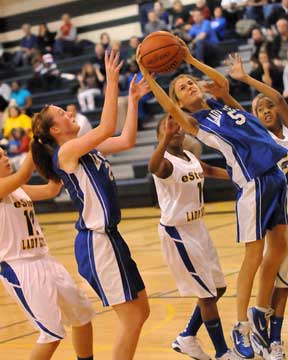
x=169, y=312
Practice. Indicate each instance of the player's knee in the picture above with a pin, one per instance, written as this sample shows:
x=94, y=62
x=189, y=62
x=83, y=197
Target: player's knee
x=207, y=302
x=221, y=291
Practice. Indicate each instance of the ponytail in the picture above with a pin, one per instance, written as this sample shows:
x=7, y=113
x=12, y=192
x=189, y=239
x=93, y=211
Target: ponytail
x=43, y=144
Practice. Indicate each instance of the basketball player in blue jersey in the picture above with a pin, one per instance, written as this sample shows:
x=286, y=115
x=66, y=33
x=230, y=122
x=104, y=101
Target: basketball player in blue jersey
x=251, y=157
x=103, y=257
x=186, y=244
x=272, y=110
x=38, y=283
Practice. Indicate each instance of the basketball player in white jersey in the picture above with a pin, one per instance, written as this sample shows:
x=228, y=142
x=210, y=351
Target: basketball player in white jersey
x=272, y=110
x=39, y=283
x=186, y=244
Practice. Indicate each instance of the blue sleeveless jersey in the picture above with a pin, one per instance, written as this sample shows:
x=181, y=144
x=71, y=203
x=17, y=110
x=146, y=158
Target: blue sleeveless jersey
x=246, y=145
x=93, y=190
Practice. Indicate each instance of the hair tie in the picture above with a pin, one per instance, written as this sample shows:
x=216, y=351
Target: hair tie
x=37, y=139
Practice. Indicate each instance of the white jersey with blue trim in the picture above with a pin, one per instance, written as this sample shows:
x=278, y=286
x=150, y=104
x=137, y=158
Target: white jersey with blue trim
x=283, y=142
x=245, y=143
x=180, y=195
x=93, y=190
x=20, y=234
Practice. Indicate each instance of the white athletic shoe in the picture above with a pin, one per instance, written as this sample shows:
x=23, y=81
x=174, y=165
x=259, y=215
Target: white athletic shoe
x=277, y=351
x=229, y=355
x=190, y=346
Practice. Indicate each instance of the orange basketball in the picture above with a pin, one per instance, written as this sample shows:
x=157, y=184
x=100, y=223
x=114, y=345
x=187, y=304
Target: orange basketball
x=161, y=52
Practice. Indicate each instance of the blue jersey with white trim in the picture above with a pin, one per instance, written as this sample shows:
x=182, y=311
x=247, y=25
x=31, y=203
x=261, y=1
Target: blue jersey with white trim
x=93, y=190
x=245, y=143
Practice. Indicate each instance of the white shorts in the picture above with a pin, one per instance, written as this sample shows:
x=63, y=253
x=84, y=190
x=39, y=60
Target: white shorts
x=49, y=297
x=192, y=259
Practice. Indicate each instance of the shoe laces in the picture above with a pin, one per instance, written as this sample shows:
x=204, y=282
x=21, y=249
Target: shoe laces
x=276, y=351
x=269, y=313
x=244, y=333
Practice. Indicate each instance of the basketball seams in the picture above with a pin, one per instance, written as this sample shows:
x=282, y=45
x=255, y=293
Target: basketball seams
x=160, y=48
x=163, y=65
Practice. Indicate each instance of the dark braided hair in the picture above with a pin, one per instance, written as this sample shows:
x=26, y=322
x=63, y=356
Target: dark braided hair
x=43, y=144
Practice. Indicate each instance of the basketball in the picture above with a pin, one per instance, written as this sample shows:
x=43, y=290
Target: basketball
x=161, y=52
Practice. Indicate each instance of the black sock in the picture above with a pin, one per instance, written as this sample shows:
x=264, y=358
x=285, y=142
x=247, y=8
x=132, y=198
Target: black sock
x=86, y=358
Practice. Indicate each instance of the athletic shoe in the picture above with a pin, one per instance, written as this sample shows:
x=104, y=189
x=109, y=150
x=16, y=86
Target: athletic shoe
x=241, y=341
x=260, y=350
x=190, y=346
x=258, y=324
x=277, y=351
x=229, y=355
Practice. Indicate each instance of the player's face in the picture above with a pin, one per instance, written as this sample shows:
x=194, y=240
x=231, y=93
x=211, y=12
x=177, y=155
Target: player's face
x=187, y=92
x=64, y=121
x=267, y=113
x=5, y=167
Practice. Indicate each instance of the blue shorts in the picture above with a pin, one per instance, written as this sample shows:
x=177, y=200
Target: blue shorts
x=104, y=260
x=261, y=205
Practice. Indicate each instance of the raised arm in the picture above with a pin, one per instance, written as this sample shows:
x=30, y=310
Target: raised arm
x=42, y=192
x=213, y=74
x=127, y=139
x=214, y=171
x=189, y=124
x=158, y=165
x=237, y=72
x=72, y=150
x=12, y=182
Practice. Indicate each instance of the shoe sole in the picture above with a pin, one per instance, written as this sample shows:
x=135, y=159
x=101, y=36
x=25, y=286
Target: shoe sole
x=177, y=349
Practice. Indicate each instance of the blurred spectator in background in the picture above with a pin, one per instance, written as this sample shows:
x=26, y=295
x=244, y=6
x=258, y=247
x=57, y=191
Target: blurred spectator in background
x=98, y=58
x=279, y=47
x=178, y=12
x=154, y=23
x=66, y=37
x=278, y=12
x=233, y=11
x=144, y=7
x=254, y=10
x=180, y=30
x=22, y=97
x=16, y=119
x=28, y=45
x=204, y=40
x=45, y=39
x=17, y=147
x=81, y=119
x=201, y=6
x=161, y=12
x=257, y=40
x=5, y=91
x=133, y=44
x=264, y=70
x=46, y=74
x=105, y=40
x=91, y=83
x=218, y=23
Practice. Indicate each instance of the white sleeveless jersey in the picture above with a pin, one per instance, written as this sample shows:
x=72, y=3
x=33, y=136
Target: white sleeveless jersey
x=20, y=233
x=180, y=195
x=282, y=142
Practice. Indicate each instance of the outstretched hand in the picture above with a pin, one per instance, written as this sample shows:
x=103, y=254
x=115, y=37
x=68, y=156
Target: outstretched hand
x=112, y=65
x=137, y=90
x=235, y=67
x=219, y=92
x=171, y=127
x=186, y=51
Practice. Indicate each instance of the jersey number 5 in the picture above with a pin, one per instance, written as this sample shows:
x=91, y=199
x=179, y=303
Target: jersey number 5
x=239, y=118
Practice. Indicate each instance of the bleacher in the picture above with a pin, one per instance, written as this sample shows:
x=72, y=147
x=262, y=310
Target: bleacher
x=130, y=168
